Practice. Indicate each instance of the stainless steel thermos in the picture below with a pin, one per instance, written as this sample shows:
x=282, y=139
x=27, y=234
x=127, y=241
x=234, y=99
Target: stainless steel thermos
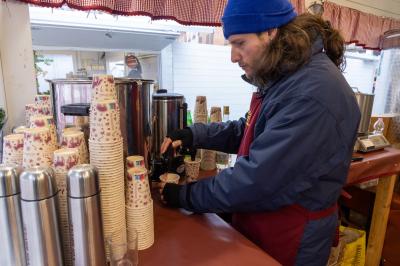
x=83, y=192
x=11, y=236
x=40, y=219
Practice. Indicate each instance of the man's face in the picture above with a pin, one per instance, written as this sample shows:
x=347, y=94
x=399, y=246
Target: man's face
x=246, y=49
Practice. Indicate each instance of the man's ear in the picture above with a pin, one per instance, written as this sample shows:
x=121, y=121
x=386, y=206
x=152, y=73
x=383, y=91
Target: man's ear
x=272, y=33
x=267, y=36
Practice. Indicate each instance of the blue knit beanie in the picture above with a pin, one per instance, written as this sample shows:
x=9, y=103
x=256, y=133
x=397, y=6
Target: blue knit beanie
x=254, y=16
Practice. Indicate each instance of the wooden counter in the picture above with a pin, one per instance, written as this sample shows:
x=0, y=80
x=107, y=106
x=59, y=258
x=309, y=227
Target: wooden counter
x=385, y=165
x=182, y=239
x=198, y=239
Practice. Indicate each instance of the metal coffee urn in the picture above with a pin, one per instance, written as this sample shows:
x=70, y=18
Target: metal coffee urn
x=84, y=212
x=40, y=219
x=169, y=112
x=11, y=235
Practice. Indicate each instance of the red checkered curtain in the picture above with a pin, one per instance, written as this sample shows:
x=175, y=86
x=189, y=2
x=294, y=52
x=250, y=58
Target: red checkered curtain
x=186, y=12
x=358, y=27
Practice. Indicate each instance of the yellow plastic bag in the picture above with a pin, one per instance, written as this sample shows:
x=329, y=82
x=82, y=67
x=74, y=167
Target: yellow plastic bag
x=351, y=248
x=354, y=250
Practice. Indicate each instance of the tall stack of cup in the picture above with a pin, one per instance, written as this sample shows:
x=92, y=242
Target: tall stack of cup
x=13, y=147
x=139, y=207
x=106, y=153
x=63, y=160
x=45, y=121
x=200, y=116
x=76, y=139
x=38, y=147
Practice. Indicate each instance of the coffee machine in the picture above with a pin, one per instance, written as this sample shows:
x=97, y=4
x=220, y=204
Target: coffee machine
x=169, y=112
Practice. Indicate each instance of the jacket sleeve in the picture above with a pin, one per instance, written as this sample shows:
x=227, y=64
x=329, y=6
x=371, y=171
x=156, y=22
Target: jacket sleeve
x=299, y=144
x=223, y=137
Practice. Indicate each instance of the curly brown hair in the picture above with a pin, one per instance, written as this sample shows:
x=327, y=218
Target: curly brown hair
x=291, y=48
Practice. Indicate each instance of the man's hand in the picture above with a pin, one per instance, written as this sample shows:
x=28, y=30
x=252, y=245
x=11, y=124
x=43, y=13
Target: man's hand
x=179, y=137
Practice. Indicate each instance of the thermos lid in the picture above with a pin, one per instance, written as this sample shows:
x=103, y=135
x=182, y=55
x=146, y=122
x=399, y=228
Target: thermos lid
x=167, y=96
x=9, y=183
x=82, y=181
x=37, y=183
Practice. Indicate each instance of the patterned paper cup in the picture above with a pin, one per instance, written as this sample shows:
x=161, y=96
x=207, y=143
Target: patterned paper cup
x=13, y=143
x=41, y=99
x=30, y=110
x=200, y=106
x=38, y=139
x=192, y=169
x=215, y=114
x=13, y=147
x=103, y=87
x=42, y=109
x=134, y=161
x=65, y=159
x=137, y=187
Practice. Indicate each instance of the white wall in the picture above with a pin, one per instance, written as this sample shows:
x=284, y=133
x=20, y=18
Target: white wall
x=201, y=69
x=360, y=73
x=167, y=68
x=16, y=59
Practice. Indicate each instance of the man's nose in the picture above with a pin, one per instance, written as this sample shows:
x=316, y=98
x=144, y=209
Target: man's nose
x=235, y=56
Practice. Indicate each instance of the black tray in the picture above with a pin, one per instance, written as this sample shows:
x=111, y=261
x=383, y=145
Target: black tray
x=76, y=109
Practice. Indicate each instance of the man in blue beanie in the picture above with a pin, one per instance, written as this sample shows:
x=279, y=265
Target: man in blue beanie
x=295, y=144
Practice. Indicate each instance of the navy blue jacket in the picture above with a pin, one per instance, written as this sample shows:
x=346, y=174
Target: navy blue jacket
x=301, y=152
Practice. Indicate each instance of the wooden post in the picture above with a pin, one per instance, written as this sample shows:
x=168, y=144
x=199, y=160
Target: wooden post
x=383, y=199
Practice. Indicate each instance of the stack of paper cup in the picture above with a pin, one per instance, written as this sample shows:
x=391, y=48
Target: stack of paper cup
x=45, y=121
x=134, y=161
x=200, y=110
x=208, y=160
x=38, y=147
x=63, y=160
x=103, y=87
x=215, y=114
x=208, y=157
x=30, y=110
x=13, y=147
x=76, y=139
x=139, y=207
x=106, y=153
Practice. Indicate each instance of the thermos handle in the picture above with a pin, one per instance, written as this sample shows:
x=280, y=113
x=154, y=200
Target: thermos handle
x=183, y=114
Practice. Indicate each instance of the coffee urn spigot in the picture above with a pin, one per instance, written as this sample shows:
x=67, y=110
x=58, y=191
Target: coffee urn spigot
x=84, y=211
x=40, y=218
x=11, y=234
